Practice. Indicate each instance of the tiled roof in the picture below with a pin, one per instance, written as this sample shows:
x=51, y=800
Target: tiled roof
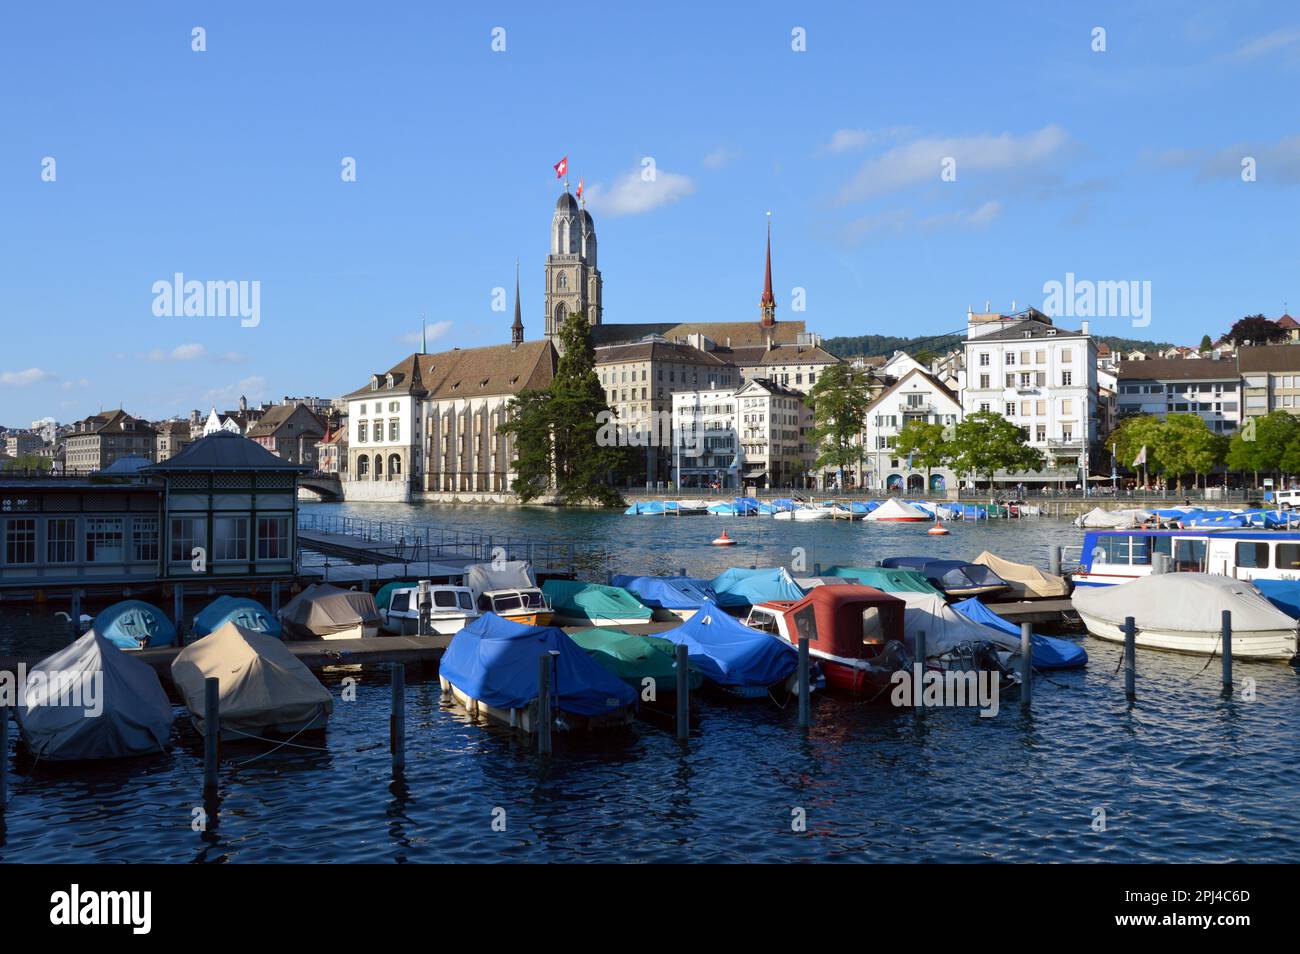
x=1275, y=357
x=279, y=415
x=656, y=351
x=1178, y=369
x=224, y=451
x=470, y=372
x=1018, y=331
x=738, y=332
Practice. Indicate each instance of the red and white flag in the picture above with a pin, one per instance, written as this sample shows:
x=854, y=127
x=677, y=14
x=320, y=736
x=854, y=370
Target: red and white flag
x=579, y=187
x=561, y=167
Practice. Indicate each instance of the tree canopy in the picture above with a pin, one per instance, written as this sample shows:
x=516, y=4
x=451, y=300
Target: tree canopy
x=1255, y=329
x=985, y=443
x=839, y=400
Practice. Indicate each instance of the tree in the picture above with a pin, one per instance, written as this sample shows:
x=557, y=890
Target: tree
x=1243, y=451
x=26, y=463
x=1206, y=344
x=1273, y=432
x=1255, y=329
x=924, y=444
x=839, y=400
x=985, y=443
x=559, y=430
x=1133, y=434
x=1186, y=445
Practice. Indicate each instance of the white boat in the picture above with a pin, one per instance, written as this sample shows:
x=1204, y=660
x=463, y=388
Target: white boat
x=689, y=508
x=811, y=513
x=1182, y=612
x=1099, y=518
x=451, y=609
x=895, y=511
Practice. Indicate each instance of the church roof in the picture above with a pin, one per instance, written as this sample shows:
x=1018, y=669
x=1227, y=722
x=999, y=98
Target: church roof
x=470, y=372
x=567, y=204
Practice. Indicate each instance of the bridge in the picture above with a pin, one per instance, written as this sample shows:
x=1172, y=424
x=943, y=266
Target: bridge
x=328, y=486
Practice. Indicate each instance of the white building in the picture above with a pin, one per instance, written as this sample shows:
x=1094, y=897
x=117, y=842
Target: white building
x=1207, y=387
x=917, y=396
x=1041, y=378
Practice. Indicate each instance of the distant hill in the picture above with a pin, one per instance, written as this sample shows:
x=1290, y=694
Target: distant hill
x=868, y=346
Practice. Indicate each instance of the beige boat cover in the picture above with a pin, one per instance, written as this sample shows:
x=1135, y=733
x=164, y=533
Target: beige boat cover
x=1183, y=603
x=1027, y=582
x=322, y=609
x=262, y=683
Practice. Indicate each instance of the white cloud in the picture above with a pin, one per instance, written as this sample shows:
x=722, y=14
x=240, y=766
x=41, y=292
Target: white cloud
x=78, y=383
x=1269, y=43
x=901, y=220
x=720, y=157
x=920, y=160
x=188, y=352
x=847, y=140
x=253, y=388
x=21, y=379
x=632, y=195
x=432, y=333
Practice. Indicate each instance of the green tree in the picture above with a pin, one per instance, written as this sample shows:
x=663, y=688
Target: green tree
x=1206, y=343
x=839, y=401
x=924, y=443
x=1291, y=458
x=1243, y=451
x=1127, y=441
x=1184, y=444
x=26, y=462
x=985, y=443
x=561, y=433
x=1273, y=432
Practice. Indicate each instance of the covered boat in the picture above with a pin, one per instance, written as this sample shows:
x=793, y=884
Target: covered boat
x=1182, y=612
x=491, y=669
x=636, y=659
x=955, y=641
x=1026, y=581
x=855, y=632
x=669, y=597
x=1049, y=651
x=323, y=611
x=882, y=578
x=508, y=589
x=248, y=613
x=732, y=655
x=740, y=587
x=576, y=603
x=90, y=700
x=135, y=624
x=896, y=511
x=264, y=689
x=1099, y=518
x=953, y=577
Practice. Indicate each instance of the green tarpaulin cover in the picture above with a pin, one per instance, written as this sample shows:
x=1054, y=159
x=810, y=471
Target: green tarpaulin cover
x=890, y=581
x=633, y=658
x=594, y=602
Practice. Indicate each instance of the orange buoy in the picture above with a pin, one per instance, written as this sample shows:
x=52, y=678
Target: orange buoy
x=724, y=540
x=939, y=530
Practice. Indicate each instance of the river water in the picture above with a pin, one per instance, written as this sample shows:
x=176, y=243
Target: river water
x=1183, y=775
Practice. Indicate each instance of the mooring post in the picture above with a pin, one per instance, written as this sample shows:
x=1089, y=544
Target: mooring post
x=1227, y=652
x=1054, y=560
x=4, y=757
x=918, y=694
x=544, y=704
x=76, y=613
x=1130, y=659
x=805, y=691
x=425, y=607
x=178, y=607
x=397, y=720
x=682, y=572
x=1026, y=665
x=683, y=693
x=817, y=569
x=211, y=731
x=275, y=597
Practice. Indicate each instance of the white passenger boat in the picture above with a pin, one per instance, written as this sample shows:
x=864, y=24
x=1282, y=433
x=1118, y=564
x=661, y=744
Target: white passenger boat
x=1182, y=612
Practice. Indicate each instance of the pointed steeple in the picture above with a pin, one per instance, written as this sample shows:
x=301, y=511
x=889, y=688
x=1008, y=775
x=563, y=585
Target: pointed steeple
x=517, y=329
x=767, y=306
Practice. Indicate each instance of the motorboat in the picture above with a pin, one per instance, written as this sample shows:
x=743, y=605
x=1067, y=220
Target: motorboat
x=955, y=578
x=509, y=590
x=576, y=603
x=1026, y=582
x=896, y=511
x=732, y=656
x=135, y=624
x=323, y=611
x=451, y=608
x=643, y=662
x=248, y=613
x=1183, y=612
x=669, y=597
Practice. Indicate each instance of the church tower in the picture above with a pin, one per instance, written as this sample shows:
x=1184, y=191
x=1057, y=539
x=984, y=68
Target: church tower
x=517, y=329
x=767, y=305
x=572, y=278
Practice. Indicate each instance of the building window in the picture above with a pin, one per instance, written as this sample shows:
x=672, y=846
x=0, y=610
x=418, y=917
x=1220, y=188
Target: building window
x=984, y=359
x=186, y=534
x=20, y=541
x=1067, y=378
x=392, y=407
x=104, y=540
x=230, y=538
x=273, y=538
x=144, y=539
x=361, y=432
x=61, y=540
x=393, y=432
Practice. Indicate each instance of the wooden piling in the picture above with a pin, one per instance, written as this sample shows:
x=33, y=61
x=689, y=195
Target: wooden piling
x=76, y=613
x=4, y=758
x=1054, y=560
x=178, y=607
x=683, y=693
x=917, y=691
x=275, y=597
x=211, y=731
x=1130, y=659
x=805, y=690
x=1026, y=665
x=544, y=704
x=1227, y=652
x=397, y=719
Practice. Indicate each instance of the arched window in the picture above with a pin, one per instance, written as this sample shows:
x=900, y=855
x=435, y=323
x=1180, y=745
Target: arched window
x=561, y=312
x=363, y=466
x=379, y=466
x=394, y=465
x=562, y=281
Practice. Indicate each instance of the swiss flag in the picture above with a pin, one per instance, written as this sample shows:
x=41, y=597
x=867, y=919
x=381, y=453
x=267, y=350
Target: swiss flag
x=579, y=187
x=561, y=167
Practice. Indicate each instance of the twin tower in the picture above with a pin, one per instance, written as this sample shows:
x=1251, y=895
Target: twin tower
x=572, y=278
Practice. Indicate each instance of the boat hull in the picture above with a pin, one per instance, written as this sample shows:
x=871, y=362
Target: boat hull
x=360, y=631
x=562, y=620
x=1263, y=644
x=525, y=719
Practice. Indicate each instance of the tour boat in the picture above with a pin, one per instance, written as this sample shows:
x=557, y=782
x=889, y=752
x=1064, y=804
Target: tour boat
x=1182, y=612
x=1108, y=557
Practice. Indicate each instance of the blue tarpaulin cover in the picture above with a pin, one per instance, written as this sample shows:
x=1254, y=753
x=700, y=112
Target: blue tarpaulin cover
x=248, y=613
x=729, y=653
x=742, y=587
x=134, y=624
x=667, y=592
x=495, y=661
x=1049, y=652
x=1284, y=594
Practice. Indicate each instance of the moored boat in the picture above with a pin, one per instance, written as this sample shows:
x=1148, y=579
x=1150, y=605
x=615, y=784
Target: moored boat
x=643, y=662
x=1182, y=612
x=954, y=578
x=669, y=597
x=896, y=511
x=323, y=611
x=248, y=613
x=451, y=608
x=135, y=624
x=1026, y=582
x=1049, y=652
x=509, y=590
x=740, y=588
x=577, y=603
x=734, y=657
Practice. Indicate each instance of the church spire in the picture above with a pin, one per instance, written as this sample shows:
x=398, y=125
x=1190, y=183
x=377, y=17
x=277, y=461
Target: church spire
x=767, y=306
x=517, y=329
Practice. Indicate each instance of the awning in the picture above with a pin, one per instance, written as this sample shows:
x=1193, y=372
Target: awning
x=756, y=473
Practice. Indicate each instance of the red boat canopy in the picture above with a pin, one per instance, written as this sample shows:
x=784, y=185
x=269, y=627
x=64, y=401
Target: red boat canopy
x=852, y=622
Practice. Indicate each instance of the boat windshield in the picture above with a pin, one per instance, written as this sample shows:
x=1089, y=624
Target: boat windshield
x=465, y=601
x=400, y=602
x=444, y=598
x=873, y=629
x=532, y=599
x=507, y=602
x=762, y=621
x=1189, y=555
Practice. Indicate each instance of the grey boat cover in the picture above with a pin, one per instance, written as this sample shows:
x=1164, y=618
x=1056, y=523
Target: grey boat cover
x=944, y=627
x=507, y=575
x=322, y=609
x=1183, y=603
x=134, y=715
x=262, y=683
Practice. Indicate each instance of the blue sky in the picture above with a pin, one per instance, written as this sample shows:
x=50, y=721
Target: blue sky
x=225, y=165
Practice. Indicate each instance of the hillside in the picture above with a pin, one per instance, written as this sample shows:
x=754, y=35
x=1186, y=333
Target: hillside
x=854, y=346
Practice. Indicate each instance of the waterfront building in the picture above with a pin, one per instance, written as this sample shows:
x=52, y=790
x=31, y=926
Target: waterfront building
x=795, y=365
x=1270, y=378
x=173, y=437
x=332, y=452
x=290, y=431
x=1040, y=377
x=1207, y=387
x=21, y=443
x=100, y=439
x=917, y=396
